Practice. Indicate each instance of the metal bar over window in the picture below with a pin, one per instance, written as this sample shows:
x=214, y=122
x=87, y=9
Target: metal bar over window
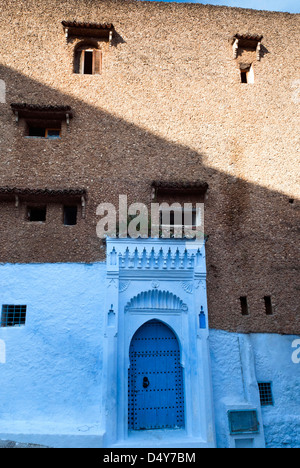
x=13, y=315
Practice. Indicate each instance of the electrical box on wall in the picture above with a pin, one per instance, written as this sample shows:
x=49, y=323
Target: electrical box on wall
x=245, y=430
x=243, y=422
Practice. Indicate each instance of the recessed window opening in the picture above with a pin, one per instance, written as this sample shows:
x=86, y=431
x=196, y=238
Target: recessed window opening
x=36, y=213
x=13, y=315
x=291, y=200
x=244, y=305
x=244, y=76
x=179, y=217
x=88, y=62
x=44, y=132
x=36, y=132
x=268, y=305
x=70, y=215
x=179, y=222
x=52, y=133
x=171, y=218
x=243, y=421
x=265, y=393
x=247, y=73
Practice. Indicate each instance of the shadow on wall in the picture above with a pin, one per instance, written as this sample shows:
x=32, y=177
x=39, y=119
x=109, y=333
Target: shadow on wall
x=253, y=234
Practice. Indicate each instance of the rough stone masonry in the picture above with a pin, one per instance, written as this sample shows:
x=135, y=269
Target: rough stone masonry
x=169, y=105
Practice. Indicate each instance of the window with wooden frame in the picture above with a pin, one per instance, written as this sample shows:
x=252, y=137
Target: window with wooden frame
x=43, y=132
x=87, y=60
x=42, y=121
x=265, y=393
x=180, y=207
x=87, y=54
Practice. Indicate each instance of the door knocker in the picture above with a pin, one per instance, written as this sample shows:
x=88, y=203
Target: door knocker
x=146, y=382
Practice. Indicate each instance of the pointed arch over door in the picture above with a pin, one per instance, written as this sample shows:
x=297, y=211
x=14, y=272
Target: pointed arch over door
x=155, y=380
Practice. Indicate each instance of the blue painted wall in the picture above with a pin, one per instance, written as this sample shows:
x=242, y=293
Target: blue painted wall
x=51, y=377
x=273, y=362
x=238, y=366
x=52, y=373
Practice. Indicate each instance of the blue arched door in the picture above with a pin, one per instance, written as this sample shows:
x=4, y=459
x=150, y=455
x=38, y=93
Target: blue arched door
x=155, y=387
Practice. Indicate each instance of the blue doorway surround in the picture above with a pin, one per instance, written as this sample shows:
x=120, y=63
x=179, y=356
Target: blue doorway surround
x=155, y=386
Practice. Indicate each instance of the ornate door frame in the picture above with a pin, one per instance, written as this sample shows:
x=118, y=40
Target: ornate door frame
x=163, y=280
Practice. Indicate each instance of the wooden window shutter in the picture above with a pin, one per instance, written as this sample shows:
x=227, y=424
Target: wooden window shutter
x=77, y=61
x=81, y=61
x=97, y=62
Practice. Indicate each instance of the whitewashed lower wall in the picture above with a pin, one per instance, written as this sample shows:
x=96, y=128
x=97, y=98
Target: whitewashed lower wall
x=51, y=379
x=238, y=363
x=51, y=368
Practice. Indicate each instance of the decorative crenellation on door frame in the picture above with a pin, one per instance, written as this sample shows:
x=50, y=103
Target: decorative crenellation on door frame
x=171, y=266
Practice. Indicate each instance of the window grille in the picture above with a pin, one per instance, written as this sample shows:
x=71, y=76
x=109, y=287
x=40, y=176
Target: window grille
x=13, y=315
x=265, y=392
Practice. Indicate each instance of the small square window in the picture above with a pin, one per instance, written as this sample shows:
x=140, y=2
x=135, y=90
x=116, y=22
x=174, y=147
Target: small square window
x=13, y=315
x=70, y=215
x=36, y=213
x=265, y=392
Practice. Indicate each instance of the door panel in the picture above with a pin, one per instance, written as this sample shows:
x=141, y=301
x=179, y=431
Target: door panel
x=155, y=379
